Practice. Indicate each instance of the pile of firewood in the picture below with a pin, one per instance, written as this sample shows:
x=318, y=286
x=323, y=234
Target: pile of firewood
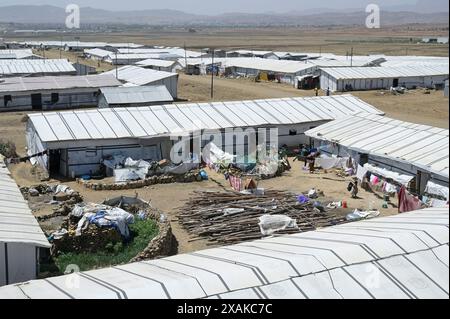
x=230, y=217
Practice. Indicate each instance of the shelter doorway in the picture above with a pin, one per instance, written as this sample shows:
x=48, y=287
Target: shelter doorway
x=395, y=83
x=54, y=162
x=36, y=101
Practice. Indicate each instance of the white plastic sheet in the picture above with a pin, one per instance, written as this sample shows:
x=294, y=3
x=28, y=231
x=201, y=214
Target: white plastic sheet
x=270, y=224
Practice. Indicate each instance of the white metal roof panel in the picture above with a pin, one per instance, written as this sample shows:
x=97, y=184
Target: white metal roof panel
x=140, y=76
x=25, y=84
x=136, y=94
x=30, y=66
x=386, y=72
x=379, y=258
x=17, y=223
x=177, y=118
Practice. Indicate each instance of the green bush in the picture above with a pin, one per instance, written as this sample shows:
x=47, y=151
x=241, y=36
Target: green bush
x=142, y=232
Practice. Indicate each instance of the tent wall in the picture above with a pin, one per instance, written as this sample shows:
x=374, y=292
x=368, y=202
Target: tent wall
x=383, y=162
x=82, y=161
x=66, y=99
x=171, y=84
x=35, y=146
x=361, y=84
x=18, y=262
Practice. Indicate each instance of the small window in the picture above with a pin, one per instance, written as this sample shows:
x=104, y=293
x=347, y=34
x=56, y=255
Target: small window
x=7, y=99
x=55, y=97
x=292, y=132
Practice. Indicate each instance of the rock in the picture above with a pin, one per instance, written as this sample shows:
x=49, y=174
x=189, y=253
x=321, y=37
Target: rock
x=33, y=192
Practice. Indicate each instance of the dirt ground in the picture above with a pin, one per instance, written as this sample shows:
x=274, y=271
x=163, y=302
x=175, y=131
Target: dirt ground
x=170, y=197
x=414, y=106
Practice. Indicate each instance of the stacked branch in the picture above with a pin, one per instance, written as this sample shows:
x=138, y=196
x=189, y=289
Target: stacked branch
x=230, y=217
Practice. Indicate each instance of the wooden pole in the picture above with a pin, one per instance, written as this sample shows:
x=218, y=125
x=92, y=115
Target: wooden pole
x=212, y=76
x=351, y=58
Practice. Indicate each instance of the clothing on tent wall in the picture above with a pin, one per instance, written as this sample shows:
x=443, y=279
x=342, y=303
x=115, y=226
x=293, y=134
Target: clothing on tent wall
x=361, y=173
x=236, y=183
x=407, y=202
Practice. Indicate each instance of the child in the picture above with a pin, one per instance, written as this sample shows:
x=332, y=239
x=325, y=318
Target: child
x=353, y=188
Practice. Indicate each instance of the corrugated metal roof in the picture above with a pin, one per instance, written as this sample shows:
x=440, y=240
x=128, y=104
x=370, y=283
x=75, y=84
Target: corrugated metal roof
x=176, y=118
x=79, y=44
x=17, y=223
x=11, y=67
x=421, y=145
x=16, y=53
x=140, y=76
x=156, y=62
x=137, y=94
x=267, y=65
x=399, y=257
x=98, y=52
x=386, y=72
x=167, y=50
x=57, y=82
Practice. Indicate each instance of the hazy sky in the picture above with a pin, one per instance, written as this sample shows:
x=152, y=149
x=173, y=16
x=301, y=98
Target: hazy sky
x=214, y=6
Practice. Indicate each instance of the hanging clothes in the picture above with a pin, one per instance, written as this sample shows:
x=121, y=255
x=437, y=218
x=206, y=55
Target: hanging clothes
x=236, y=183
x=407, y=202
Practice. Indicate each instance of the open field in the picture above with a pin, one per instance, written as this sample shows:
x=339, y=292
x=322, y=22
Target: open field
x=400, y=40
x=414, y=106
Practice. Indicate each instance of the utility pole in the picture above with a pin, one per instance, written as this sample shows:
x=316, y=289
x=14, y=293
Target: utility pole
x=212, y=76
x=117, y=70
x=185, y=59
x=351, y=58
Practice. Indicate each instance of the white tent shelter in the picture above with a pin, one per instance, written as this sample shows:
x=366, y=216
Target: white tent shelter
x=137, y=76
x=374, y=78
x=160, y=65
x=20, y=234
x=36, y=67
x=404, y=147
x=383, y=258
x=83, y=137
x=52, y=92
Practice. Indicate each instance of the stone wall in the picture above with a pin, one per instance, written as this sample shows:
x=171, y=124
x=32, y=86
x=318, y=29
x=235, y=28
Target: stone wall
x=163, y=245
x=99, y=186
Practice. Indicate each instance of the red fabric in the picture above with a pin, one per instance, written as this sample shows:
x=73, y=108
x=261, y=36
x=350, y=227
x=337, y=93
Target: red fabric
x=407, y=202
x=236, y=183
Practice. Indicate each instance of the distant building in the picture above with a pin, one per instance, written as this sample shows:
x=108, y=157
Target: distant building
x=131, y=75
x=439, y=40
x=161, y=65
x=33, y=67
x=52, y=92
x=376, y=78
